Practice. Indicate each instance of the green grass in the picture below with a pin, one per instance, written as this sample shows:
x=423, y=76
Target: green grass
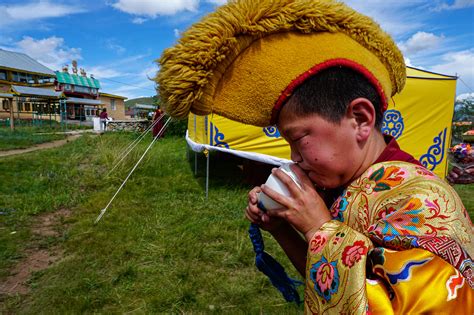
x=161, y=247
x=466, y=192
x=24, y=137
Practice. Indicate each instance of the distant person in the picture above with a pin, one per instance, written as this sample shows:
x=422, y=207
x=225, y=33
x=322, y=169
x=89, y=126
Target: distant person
x=103, y=119
x=158, y=121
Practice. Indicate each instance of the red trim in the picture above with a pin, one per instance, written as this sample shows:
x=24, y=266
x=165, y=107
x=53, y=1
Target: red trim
x=340, y=62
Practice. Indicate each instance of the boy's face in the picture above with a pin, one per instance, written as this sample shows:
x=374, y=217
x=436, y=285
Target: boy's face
x=328, y=152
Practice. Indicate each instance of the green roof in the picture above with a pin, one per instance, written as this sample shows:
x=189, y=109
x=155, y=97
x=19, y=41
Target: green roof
x=74, y=79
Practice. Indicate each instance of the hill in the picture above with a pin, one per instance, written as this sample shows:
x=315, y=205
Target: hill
x=140, y=100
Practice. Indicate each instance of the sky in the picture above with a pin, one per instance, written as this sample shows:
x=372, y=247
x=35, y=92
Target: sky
x=118, y=41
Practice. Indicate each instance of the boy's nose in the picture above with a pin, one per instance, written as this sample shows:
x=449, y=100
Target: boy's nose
x=296, y=157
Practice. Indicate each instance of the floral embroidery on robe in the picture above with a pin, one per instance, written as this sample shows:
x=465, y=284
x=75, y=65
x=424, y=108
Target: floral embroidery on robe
x=400, y=242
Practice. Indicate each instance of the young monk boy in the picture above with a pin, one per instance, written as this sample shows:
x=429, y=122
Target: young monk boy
x=386, y=236
x=389, y=236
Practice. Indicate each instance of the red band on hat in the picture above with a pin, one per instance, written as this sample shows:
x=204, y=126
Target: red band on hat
x=340, y=62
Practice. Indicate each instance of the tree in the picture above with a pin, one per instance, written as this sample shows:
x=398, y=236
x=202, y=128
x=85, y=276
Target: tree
x=463, y=119
x=464, y=110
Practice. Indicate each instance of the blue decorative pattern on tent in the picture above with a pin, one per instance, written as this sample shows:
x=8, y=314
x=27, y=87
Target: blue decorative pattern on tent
x=393, y=123
x=217, y=138
x=435, y=154
x=272, y=132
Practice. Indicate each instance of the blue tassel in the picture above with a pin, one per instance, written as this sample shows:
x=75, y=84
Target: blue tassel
x=270, y=267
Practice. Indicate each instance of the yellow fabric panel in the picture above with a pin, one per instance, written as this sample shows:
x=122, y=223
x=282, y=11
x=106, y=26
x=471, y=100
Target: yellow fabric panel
x=247, y=138
x=197, y=129
x=426, y=107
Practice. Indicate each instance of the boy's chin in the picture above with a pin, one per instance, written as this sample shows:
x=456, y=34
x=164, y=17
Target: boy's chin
x=324, y=183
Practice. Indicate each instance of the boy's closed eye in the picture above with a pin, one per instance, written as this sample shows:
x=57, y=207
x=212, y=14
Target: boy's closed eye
x=298, y=137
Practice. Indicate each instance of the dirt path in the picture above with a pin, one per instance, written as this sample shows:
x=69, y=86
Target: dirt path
x=36, y=257
x=41, y=146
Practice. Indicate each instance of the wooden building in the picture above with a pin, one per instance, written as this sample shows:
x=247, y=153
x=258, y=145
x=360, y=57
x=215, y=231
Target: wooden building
x=81, y=91
x=26, y=87
x=115, y=105
x=32, y=91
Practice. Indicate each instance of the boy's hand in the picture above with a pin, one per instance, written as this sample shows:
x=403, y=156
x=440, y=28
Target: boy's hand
x=305, y=209
x=257, y=216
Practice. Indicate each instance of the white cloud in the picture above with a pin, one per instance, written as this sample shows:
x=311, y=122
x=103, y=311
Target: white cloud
x=11, y=14
x=465, y=96
x=112, y=45
x=50, y=51
x=133, y=90
x=177, y=33
x=139, y=20
x=128, y=76
x=459, y=63
x=154, y=8
x=420, y=41
x=398, y=18
x=149, y=72
x=217, y=2
x=458, y=4
x=101, y=72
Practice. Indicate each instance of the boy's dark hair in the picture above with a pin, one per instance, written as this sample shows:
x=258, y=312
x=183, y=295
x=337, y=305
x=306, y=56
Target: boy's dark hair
x=329, y=93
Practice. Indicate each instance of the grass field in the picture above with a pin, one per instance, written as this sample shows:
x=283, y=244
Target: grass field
x=466, y=192
x=160, y=248
x=25, y=137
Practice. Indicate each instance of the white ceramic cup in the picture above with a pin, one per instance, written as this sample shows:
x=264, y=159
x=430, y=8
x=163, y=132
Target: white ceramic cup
x=267, y=203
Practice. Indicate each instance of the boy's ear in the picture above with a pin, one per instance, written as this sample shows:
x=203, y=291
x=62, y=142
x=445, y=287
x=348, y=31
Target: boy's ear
x=362, y=111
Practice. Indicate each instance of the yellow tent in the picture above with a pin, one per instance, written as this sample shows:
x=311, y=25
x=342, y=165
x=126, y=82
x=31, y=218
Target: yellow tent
x=419, y=118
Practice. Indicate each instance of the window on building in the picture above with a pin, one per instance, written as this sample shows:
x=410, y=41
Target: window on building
x=67, y=87
x=45, y=80
x=112, y=104
x=3, y=75
x=6, y=105
x=27, y=107
x=82, y=89
x=22, y=77
x=20, y=106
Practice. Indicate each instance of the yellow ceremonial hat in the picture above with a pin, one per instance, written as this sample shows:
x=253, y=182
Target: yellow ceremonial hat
x=244, y=60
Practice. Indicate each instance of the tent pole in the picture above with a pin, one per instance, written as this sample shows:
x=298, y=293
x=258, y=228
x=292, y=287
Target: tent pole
x=207, y=173
x=12, y=124
x=195, y=153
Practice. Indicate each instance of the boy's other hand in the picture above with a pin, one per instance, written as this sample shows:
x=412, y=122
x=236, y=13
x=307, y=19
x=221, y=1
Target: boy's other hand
x=255, y=215
x=305, y=209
